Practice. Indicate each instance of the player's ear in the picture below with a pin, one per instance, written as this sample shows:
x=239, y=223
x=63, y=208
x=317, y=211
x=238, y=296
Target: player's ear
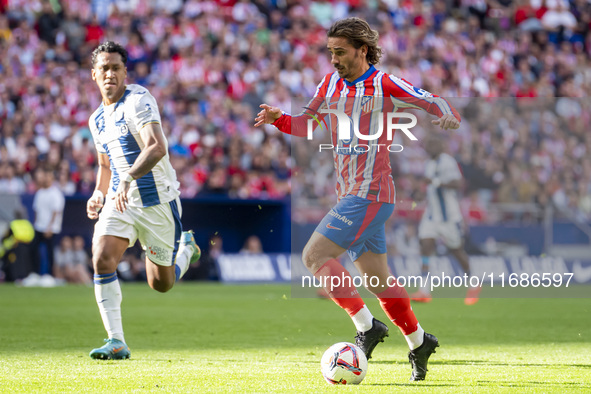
x=93, y=74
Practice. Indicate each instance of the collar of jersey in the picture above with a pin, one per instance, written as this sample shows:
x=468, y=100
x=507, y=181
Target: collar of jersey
x=363, y=77
x=112, y=107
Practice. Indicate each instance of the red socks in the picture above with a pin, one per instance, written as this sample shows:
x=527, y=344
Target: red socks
x=338, y=283
x=395, y=302
x=339, y=286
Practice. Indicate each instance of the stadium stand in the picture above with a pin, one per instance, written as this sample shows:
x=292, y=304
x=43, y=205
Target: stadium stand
x=210, y=63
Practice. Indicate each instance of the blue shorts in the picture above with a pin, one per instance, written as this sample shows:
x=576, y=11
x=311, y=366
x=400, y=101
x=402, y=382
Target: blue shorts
x=358, y=225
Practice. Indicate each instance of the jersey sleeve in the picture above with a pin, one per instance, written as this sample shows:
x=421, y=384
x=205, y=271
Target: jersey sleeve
x=146, y=110
x=298, y=125
x=94, y=131
x=405, y=95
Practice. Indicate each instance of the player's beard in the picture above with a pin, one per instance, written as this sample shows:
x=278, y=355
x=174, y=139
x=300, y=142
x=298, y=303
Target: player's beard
x=346, y=70
x=112, y=92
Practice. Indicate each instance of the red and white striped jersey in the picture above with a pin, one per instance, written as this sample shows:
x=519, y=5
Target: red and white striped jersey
x=365, y=173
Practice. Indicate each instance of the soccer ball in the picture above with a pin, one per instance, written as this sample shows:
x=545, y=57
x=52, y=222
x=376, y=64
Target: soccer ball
x=343, y=363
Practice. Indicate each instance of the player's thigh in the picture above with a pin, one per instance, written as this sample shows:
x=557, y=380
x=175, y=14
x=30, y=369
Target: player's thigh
x=428, y=229
x=347, y=225
x=371, y=235
x=342, y=223
x=160, y=277
x=428, y=232
x=451, y=234
x=106, y=253
x=159, y=232
x=113, y=233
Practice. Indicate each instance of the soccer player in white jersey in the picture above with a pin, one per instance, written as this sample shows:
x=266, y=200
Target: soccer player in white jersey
x=136, y=195
x=443, y=218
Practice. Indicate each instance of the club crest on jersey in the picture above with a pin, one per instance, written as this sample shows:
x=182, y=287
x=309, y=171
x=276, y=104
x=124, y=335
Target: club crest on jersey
x=371, y=103
x=100, y=123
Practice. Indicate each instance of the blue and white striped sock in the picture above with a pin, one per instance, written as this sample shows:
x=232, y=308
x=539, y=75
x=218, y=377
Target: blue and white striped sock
x=108, y=297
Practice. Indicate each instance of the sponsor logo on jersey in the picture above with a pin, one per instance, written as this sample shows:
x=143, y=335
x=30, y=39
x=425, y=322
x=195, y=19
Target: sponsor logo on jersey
x=342, y=218
x=121, y=125
x=158, y=253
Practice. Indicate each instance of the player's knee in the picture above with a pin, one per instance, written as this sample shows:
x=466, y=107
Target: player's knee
x=375, y=289
x=102, y=263
x=378, y=284
x=427, y=248
x=311, y=258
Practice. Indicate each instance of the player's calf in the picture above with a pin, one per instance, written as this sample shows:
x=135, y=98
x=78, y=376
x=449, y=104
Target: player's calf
x=160, y=278
x=161, y=286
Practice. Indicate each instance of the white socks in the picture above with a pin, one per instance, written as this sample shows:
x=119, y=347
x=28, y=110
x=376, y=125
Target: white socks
x=426, y=288
x=415, y=339
x=108, y=297
x=183, y=260
x=363, y=319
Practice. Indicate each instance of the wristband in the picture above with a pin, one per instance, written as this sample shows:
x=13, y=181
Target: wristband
x=125, y=177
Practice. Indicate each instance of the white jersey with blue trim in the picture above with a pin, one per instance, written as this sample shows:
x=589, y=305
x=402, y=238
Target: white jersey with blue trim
x=443, y=204
x=116, y=132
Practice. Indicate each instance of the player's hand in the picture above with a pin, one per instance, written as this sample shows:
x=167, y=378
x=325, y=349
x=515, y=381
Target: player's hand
x=94, y=205
x=447, y=121
x=120, y=196
x=267, y=116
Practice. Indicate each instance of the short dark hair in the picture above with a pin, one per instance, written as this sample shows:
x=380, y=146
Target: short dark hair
x=109, y=47
x=358, y=33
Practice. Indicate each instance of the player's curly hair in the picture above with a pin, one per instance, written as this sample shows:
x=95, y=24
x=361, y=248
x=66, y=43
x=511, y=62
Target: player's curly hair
x=358, y=33
x=109, y=47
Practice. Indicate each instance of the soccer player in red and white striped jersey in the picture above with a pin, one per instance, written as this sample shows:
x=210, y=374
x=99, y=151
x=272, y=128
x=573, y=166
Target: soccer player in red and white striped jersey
x=365, y=188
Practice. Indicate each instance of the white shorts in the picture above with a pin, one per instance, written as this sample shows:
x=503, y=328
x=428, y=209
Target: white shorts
x=449, y=232
x=157, y=227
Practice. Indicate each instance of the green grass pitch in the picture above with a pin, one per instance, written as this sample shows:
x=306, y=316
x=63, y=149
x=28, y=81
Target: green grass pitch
x=218, y=338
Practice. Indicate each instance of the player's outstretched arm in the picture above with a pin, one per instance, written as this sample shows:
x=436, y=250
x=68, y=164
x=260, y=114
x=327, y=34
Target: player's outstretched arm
x=293, y=125
x=268, y=115
x=408, y=96
x=103, y=177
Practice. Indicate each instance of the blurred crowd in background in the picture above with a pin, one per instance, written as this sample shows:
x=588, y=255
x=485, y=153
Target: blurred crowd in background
x=211, y=63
